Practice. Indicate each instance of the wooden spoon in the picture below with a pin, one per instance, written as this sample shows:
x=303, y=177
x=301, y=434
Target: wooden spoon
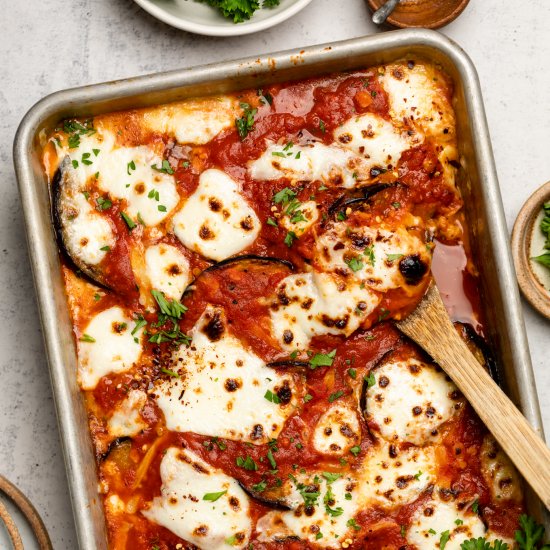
x=431, y=328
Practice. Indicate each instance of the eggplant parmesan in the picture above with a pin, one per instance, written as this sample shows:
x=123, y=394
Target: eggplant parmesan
x=232, y=266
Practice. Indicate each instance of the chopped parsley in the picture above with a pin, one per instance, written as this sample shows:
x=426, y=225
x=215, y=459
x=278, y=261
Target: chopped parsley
x=141, y=322
x=130, y=167
x=272, y=397
x=86, y=159
x=352, y=373
x=212, y=497
x=329, y=501
x=105, y=248
x=284, y=196
x=129, y=222
x=271, y=459
x=271, y=221
x=322, y=359
x=170, y=308
x=246, y=463
x=355, y=264
x=87, y=338
x=153, y=194
x=165, y=168
x=322, y=126
x=369, y=253
x=331, y=477
x=475, y=506
x=334, y=396
x=245, y=124
x=393, y=257
x=103, y=203
x=75, y=130
x=307, y=398
x=290, y=238
x=355, y=450
x=352, y=523
x=259, y=487
x=444, y=539
x=370, y=380
x=169, y=372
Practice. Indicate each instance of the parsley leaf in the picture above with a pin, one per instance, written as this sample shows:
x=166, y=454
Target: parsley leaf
x=355, y=264
x=165, y=167
x=290, y=238
x=212, y=497
x=445, y=536
x=530, y=534
x=322, y=359
x=334, y=396
x=272, y=397
x=245, y=124
x=247, y=463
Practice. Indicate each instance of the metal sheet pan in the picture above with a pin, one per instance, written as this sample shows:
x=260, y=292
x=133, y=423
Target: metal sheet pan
x=478, y=182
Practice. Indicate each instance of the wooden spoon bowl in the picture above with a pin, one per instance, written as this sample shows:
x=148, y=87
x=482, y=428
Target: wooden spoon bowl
x=430, y=14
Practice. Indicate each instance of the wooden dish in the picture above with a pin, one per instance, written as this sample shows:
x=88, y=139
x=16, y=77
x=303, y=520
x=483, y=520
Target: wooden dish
x=527, y=241
x=430, y=14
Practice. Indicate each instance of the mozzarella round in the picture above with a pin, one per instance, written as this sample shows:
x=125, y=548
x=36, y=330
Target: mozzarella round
x=415, y=97
x=194, y=121
x=126, y=420
x=330, y=164
x=127, y=173
x=182, y=508
x=435, y=517
x=393, y=476
x=310, y=304
x=337, y=430
x=371, y=255
x=216, y=221
x=224, y=389
x=409, y=401
x=167, y=269
x=113, y=349
x=87, y=234
x=375, y=138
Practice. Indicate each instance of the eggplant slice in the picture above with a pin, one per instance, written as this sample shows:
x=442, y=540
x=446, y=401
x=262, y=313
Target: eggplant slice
x=235, y=260
x=83, y=234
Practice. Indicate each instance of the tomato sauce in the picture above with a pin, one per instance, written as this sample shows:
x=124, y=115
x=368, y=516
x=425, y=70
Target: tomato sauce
x=416, y=186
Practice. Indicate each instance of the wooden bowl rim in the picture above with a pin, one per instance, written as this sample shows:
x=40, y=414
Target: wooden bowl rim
x=373, y=4
x=531, y=288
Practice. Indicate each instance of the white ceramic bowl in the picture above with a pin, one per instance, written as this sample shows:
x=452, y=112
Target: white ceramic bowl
x=202, y=19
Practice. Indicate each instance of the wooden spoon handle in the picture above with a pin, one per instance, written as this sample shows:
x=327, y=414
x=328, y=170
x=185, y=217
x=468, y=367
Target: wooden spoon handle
x=430, y=327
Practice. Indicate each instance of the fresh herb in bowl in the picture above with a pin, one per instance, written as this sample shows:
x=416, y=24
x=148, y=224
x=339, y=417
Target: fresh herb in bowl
x=239, y=10
x=544, y=258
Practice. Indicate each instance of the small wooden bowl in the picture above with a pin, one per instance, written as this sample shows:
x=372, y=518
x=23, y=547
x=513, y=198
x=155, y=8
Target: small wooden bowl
x=430, y=14
x=527, y=241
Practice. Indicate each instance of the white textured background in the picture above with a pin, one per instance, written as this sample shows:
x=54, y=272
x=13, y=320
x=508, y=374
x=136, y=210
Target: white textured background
x=54, y=44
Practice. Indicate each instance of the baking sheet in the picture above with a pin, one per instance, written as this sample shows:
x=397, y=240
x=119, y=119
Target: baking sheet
x=478, y=182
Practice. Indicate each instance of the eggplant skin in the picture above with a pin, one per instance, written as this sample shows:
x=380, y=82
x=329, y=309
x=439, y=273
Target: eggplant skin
x=64, y=185
x=235, y=260
x=275, y=503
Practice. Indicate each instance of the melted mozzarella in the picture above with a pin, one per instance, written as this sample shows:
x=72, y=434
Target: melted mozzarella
x=309, y=304
x=409, y=401
x=337, y=430
x=301, y=219
x=87, y=234
x=224, y=390
x=194, y=121
x=216, y=220
x=435, y=517
x=126, y=420
x=148, y=192
x=317, y=524
x=316, y=161
x=375, y=138
x=416, y=96
x=126, y=173
x=115, y=349
x=499, y=473
x=167, y=270
x=370, y=254
x=181, y=507
x=393, y=477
